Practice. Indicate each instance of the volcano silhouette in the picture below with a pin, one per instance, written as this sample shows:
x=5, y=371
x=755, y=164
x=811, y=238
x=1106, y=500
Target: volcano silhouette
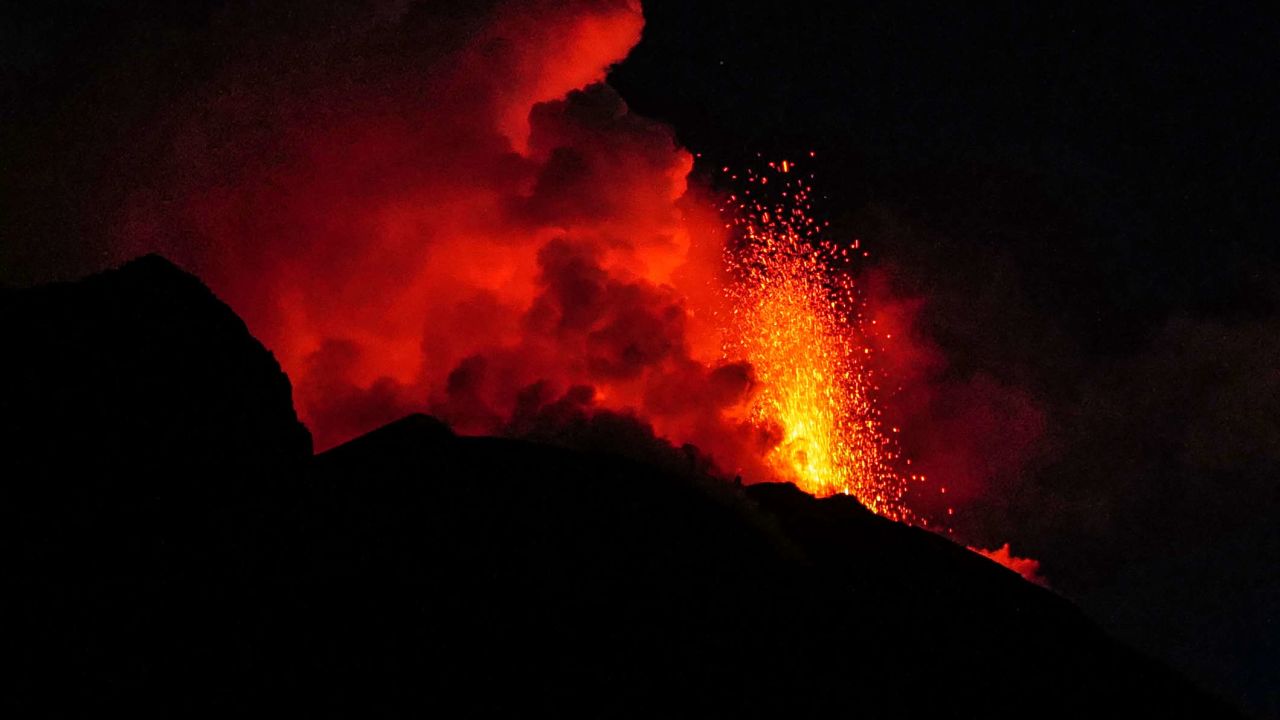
x=174, y=546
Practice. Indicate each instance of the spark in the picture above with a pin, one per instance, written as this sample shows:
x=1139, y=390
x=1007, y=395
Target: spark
x=797, y=320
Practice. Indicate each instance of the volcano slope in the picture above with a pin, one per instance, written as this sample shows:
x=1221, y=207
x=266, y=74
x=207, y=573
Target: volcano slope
x=173, y=546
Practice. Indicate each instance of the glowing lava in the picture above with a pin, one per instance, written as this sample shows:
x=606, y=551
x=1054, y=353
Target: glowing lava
x=795, y=317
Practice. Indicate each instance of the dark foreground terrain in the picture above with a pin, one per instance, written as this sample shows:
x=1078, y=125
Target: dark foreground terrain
x=172, y=545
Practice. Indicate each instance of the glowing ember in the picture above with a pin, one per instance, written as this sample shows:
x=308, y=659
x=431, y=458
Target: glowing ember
x=795, y=318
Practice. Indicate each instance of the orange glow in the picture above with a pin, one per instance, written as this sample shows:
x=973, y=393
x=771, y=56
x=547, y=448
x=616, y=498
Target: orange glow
x=795, y=318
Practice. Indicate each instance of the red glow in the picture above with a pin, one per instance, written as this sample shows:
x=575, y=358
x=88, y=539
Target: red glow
x=1026, y=567
x=451, y=237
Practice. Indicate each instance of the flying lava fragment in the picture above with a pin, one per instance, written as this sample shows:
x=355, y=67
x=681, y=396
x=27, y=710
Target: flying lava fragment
x=796, y=319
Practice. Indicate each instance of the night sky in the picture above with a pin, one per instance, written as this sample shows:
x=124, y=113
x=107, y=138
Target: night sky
x=1082, y=200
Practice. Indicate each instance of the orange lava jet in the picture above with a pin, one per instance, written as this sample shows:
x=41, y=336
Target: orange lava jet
x=795, y=318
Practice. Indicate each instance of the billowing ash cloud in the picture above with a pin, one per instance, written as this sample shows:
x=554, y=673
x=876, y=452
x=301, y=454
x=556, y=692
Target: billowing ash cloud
x=478, y=226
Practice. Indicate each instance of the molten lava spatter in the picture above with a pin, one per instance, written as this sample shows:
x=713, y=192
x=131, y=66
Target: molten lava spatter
x=795, y=317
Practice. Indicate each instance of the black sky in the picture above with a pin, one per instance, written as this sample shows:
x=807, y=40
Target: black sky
x=1084, y=196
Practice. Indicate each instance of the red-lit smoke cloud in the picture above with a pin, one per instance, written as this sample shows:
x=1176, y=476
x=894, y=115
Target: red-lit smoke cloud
x=480, y=229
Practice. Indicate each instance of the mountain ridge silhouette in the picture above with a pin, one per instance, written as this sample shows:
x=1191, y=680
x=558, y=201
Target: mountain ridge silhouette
x=177, y=548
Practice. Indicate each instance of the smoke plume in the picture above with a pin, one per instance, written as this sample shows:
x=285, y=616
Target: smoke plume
x=479, y=227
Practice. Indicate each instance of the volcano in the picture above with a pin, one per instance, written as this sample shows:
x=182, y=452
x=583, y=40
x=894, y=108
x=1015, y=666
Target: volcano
x=174, y=546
